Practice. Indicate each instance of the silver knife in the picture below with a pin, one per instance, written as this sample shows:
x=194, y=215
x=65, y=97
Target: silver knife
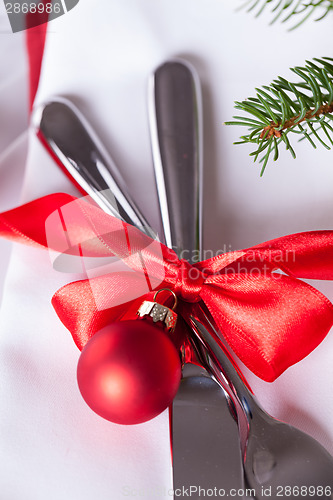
x=205, y=440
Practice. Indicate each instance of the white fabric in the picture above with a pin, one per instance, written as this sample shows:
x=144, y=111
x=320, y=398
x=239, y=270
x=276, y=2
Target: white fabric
x=100, y=55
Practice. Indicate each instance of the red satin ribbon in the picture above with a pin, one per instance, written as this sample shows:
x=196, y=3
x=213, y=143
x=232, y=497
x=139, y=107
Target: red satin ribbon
x=271, y=320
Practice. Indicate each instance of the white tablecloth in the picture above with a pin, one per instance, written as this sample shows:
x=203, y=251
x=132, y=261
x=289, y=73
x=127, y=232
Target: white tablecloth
x=100, y=55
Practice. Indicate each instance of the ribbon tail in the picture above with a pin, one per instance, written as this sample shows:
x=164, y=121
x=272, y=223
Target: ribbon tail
x=26, y=223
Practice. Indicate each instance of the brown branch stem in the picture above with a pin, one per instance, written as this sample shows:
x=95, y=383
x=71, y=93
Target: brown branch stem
x=272, y=129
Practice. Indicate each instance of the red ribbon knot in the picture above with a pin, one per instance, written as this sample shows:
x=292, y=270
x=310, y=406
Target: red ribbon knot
x=189, y=282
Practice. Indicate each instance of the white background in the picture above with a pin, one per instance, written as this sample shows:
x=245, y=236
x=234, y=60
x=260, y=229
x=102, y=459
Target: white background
x=100, y=55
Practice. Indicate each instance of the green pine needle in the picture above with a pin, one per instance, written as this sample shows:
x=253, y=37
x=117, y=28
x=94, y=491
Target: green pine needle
x=283, y=108
x=284, y=10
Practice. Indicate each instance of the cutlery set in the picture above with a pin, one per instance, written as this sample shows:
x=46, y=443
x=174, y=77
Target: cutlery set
x=221, y=437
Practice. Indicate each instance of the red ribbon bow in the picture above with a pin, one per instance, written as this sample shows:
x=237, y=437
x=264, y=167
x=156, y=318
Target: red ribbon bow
x=270, y=319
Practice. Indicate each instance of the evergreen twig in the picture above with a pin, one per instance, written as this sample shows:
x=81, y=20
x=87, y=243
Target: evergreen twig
x=283, y=108
x=284, y=10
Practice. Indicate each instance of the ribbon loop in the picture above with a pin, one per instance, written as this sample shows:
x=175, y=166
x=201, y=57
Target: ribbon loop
x=189, y=282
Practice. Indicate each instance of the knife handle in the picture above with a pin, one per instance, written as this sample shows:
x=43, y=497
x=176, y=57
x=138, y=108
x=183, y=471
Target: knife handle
x=175, y=119
x=73, y=144
x=175, y=124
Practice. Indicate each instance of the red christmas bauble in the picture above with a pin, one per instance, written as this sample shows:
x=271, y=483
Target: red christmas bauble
x=129, y=372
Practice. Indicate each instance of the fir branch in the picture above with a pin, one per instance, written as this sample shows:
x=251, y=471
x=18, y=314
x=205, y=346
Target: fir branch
x=304, y=108
x=284, y=10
